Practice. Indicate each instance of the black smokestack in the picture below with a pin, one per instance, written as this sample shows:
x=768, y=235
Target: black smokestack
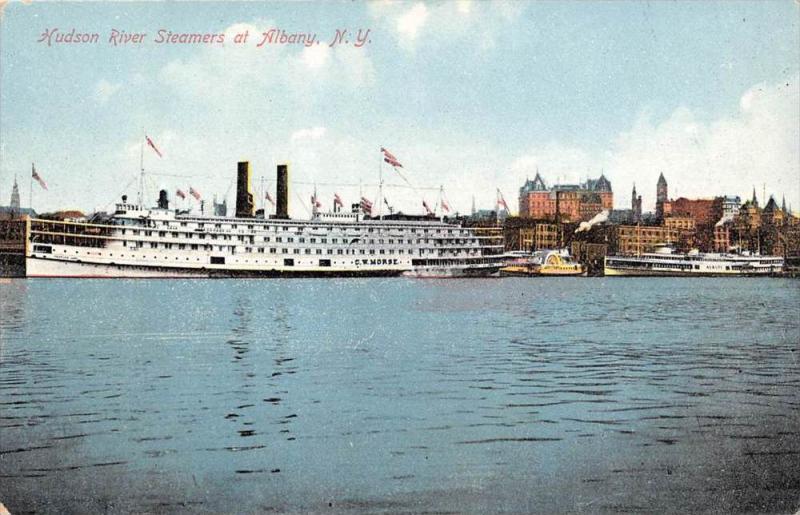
x=163, y=202
x=244, y=197
x=282, y=202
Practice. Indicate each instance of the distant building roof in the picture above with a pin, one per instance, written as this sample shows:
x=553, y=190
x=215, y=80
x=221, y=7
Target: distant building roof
x=537, y=184
x=600, y=184
x=622, y=216
x=8, y=211
x=771, y=206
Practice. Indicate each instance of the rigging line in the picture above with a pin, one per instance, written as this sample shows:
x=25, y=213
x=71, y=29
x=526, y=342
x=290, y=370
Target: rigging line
x=230, y=185
x=296, y=194
x=113, y=200
x=411, y=185
x=184, y=176
x=363, y=184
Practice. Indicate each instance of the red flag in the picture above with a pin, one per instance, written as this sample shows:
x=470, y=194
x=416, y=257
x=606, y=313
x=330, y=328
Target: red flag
x=152, y=145
x=37, y=178
x=393, y=162
x=193, y=192
x=390, y=158
x=445, y=207
x=501, y=200
x=425, y=205
x=315, y=202
x=269, y=199
x=181, y=194
x=366, y=205
x=337, y=200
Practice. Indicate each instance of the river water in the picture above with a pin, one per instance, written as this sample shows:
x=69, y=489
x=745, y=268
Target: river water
x=394, y=395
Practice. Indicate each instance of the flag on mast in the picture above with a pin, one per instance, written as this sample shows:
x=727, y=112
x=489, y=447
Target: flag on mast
x=501, y=200
x=337, y=200
x=269, y=199
x=152, y=145
x=390, y=158
x=181, y=194
x=428, y=209
x=37, y=178
x=366, y=205
x=445, y=207
x=193, y=192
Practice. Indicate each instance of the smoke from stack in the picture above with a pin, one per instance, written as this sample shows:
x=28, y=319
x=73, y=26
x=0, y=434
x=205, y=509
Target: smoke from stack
x=600, y=217
x=245, y=207
x=282, y=200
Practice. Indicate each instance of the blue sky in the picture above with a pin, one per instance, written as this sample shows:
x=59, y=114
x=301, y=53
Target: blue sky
x=471, y=96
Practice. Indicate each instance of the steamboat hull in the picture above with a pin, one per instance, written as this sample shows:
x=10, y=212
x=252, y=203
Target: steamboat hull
x=44, y=268
x=623, y=272
x=454, y=272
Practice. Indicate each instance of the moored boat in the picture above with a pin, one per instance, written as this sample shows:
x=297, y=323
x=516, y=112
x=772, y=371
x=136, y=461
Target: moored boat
x=665, y=262
x=543, y=263
x=136, y=241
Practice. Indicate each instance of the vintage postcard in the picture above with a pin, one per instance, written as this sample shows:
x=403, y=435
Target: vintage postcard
x=400, y=257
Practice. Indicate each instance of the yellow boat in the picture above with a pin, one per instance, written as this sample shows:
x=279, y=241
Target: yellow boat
x=547, y=263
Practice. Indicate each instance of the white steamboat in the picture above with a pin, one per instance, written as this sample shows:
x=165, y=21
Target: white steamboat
x=665, y=262
x=158, y=242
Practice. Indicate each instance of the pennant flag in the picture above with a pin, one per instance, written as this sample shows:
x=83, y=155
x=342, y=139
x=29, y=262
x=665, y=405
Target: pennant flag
x=153, y=145
x=193, y=192
x=445, y=207
x=425, y=205
x=390, y=158
x=388, y=154
x=37, y=178
x=269, y=199
x=181, y=194
x=314, y=202
x=366, y=205
x=337, y=200
x=387, y=203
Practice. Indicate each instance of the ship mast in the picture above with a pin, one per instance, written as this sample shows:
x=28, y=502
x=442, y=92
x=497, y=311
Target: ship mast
x=380, y=188
x=263, y=197
x=140, y=196
x=441, y=197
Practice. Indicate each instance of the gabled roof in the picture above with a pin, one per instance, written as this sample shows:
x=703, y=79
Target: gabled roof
x=537, y=184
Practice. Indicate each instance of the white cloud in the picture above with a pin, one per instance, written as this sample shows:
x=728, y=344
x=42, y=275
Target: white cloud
x=104, y=90
x=316, y=56
x=244, y=75
x=306, y=134
x=412, y=21
x=758, y=145
x=443, y=23
x=557, y=163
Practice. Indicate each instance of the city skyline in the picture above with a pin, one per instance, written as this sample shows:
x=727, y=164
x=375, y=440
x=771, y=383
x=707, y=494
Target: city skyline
x=471, y=96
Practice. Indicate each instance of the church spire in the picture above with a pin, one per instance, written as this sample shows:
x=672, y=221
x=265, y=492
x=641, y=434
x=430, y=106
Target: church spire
x=15, y=197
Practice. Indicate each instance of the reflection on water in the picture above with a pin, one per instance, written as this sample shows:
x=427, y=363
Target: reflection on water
x=393, y=395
